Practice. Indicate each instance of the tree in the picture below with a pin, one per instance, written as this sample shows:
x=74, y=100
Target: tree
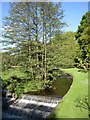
x=14, y=28
x=83, y=38
x=51, y=18
x=63, y=50
x=21, y=28
x=30, y=28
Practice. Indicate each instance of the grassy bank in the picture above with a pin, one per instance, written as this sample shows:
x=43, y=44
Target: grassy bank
x=74, y=103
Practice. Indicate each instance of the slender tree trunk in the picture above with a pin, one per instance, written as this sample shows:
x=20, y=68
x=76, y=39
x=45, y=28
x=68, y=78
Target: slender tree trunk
x=45, y=64
x=36, y=34
x=50, y=32
x=29, y=43
x=45, y=54
x=43, y=47
x=44, y=44
x=43, y=41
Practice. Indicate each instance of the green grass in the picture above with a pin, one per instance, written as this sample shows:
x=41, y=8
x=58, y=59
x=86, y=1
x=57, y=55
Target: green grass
x=13, y=72
x=67, y=108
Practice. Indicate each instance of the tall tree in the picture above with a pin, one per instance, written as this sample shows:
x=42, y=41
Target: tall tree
x=16, y=25
x=83, y=38
x=18, y=32
x=30, y=28
x=51, y=18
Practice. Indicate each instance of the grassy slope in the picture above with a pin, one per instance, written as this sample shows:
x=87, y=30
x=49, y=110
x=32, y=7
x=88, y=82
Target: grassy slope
x=67, y=108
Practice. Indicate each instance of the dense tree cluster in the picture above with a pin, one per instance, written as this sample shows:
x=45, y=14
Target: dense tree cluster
x=28, y=31
x=29, y=28
x=35, y=45
x=83, y=38
x=64, y=49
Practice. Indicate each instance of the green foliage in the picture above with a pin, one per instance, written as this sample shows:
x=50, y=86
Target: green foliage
x=83, y=38
x=83, y=103
x=38, y=47
x=63, y=50
x=14, y=72
x=32, y=86
x=19, y=90
x=18, y=82
x=47, y=84
x=25, y=30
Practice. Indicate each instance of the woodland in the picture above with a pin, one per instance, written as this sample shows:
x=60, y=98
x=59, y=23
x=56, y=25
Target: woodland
x=35, y=45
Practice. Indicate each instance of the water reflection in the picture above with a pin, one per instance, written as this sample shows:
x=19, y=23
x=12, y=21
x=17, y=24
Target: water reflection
x=59, y=87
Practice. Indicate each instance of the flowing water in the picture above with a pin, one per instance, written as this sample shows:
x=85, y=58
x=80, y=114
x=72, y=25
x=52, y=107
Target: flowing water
x=39, y=105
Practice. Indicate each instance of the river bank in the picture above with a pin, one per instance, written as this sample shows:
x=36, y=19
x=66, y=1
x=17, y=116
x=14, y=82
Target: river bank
x=74, y=103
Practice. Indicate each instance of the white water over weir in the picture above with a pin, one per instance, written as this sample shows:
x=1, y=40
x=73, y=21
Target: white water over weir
x=31, y=107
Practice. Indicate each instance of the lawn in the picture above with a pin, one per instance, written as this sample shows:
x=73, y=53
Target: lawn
x=73, y=105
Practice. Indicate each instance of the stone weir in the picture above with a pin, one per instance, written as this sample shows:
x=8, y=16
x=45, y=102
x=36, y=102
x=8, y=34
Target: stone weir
x=31, y=107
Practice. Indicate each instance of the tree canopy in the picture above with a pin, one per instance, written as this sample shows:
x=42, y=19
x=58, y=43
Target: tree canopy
x=83, y=38
x=28, y=31
x=35, y=45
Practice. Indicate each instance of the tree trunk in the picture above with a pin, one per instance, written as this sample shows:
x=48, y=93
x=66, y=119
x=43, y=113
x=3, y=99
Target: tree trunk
x=29, y=47
x=36, y=34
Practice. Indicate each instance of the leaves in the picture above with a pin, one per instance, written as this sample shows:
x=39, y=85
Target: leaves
x=28, y=31
x=83, y=38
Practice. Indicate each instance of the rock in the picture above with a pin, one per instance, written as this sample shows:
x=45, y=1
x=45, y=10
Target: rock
x=5, y=103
